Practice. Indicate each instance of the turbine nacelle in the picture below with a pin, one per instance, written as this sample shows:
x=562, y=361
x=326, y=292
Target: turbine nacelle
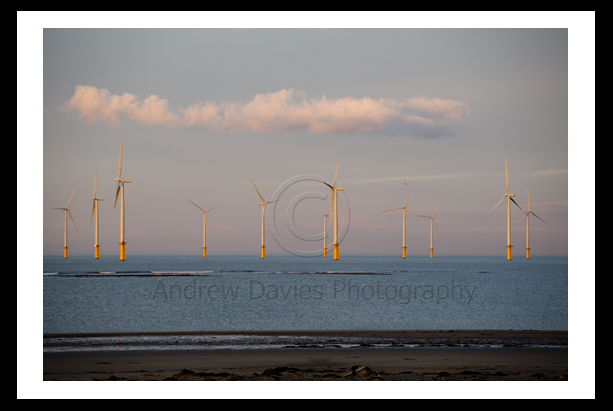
x=432, y=220
x=203, y=211
x=119, y=185
x=403, y=208
x=264, y=202
x=67, y=209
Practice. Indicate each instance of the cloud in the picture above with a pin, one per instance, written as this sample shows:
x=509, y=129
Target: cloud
x=389, y=179
x=551, y=172
x=282, y=111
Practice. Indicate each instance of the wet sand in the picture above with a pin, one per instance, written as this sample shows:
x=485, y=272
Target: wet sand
x=514, y=361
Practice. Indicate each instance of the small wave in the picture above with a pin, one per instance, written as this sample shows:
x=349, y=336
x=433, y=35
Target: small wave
x=238, y=271
x=328, y=272
x=50, y=273
x=132, y=272
x=180, y=272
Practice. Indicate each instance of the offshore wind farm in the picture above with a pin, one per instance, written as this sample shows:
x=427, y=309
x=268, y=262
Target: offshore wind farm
x=333, y=214
x=271, y=130
x=264, y=203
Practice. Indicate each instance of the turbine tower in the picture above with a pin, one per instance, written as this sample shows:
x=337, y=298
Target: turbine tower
x=95, y=208
x=432, y=221
x=334, y=208
x=122, y=215
x=263, y=204
x=325, y=236
x=204, y=234
x=404, y=226
x=527, y=215
x=67, y=212
x=509, y=199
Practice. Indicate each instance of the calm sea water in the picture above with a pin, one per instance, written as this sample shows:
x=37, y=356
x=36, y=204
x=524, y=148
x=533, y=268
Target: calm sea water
x=243, y=293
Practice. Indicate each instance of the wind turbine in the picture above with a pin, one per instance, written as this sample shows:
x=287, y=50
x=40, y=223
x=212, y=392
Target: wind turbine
x=122, y=217
x=95, y=207
x=325, y=236
x=527, y=215
x=404, y=226
x=263, y=204
x=204, y=234
x=67, y=211
x=509, y=199
x=432, y=221
x=334, y=208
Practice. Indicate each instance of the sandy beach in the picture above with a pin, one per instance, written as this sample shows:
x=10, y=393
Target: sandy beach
x=471, y=355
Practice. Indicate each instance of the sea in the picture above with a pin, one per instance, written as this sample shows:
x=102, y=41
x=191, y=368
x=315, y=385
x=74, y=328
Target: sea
x=184, y=293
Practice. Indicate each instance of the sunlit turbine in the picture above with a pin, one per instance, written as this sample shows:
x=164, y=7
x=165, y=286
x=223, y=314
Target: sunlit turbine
x=334, y=208
x=95, y=208
x=263, y=204
x=122, y=216
x=404, y=226
x=325, y=235
x=509, y=199
x=67, y=212
x=432, y=221
x=204, y=230
x=527, y=215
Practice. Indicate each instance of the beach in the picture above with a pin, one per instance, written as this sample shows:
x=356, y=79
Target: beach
x=389, y=355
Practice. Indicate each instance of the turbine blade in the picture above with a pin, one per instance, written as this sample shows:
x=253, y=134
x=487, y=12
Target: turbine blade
x=195, y=204
x=328, y=185
x=256, y=189
x=424, y=216
x=516, y=203
x=95, y=184
x=439, y=206
x=70, y=215
x=521, y=219
x=93, y=208
x=117, y=194
x=335, y=173
x=506, y=177
x=439, y=231
x=393, y=209
x=120, y=150
x=407, y=200
x=75, y=189
x=528, y=188
x=538, y=217
x=495, y=206
x=211, y=209
x=412, y=216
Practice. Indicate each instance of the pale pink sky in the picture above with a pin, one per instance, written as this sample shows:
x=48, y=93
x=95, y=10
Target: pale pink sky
x=202, y=112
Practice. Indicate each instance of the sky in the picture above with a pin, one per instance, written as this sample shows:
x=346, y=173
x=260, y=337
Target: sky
x=427, y=112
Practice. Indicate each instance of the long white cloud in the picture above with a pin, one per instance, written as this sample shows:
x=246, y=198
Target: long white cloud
x=282, y=111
